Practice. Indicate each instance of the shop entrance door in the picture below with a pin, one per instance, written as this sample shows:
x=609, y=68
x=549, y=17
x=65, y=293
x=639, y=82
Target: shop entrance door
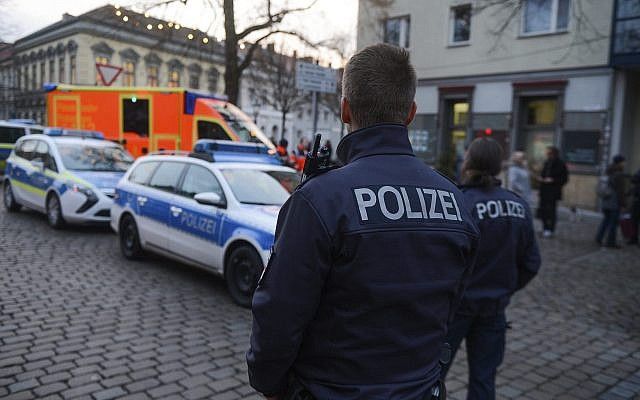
x=539, y=123
x=455, y=133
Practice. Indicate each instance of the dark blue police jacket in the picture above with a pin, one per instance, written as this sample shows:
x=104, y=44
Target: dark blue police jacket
x=508, y=255
x=368, y=264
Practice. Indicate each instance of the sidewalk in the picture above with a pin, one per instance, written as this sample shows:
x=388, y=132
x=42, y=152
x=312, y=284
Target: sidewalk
x=576, y=328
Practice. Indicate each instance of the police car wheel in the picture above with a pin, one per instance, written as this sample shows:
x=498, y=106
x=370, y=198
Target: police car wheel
x=54, y=212
x=10, y=202
x=242, y=272
x=130, y=239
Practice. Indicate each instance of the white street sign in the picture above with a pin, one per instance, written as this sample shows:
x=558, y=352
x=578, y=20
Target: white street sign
x=315, y=78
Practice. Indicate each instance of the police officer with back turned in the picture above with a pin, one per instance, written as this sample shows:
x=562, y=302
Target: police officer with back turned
x=508, y=258
x=369, y=259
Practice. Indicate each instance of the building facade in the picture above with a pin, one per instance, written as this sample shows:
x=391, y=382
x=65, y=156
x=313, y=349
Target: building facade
x=531, y=74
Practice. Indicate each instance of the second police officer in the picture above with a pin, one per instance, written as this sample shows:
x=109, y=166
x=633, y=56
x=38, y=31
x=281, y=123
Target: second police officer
x=508, y=258
x=369, y=259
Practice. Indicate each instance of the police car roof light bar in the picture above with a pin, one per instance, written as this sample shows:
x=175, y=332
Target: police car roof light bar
x=170, y=153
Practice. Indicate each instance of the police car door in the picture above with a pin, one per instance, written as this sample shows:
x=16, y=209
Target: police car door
x=196, y=227
x=154, y=204
x=40, y=178
x=24, y=174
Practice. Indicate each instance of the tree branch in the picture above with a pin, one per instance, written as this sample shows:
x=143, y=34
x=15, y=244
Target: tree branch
x=273, y=19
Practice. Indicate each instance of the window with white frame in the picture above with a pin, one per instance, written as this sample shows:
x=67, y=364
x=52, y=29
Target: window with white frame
x=545, y=16
x=460, y=24
x=396, y=31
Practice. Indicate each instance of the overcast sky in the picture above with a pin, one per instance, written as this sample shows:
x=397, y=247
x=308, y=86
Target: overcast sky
x=327, y=19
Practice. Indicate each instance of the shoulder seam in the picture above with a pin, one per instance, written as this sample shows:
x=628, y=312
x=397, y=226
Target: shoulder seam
x=315, y=211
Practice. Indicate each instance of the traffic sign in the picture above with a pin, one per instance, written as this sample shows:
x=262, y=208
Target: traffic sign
x=315, y=78
x=108, y=73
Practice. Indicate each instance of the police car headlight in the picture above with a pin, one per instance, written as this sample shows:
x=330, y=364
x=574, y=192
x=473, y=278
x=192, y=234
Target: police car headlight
x=83, y=189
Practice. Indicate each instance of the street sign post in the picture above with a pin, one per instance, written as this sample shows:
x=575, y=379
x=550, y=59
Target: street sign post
x=314, y=78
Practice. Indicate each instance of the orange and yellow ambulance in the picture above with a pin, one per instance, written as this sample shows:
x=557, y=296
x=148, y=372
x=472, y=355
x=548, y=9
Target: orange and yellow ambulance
x=148, y=119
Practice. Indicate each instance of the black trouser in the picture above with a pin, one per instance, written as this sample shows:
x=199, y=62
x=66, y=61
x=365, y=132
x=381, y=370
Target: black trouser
x=548, y=214
x=485, y=338
x=635, y=218
x=609, y=226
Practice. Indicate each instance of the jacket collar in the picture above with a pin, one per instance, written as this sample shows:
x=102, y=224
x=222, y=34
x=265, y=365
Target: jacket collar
x=374, y=140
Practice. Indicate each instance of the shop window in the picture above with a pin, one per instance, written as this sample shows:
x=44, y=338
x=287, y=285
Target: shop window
x=174, y=78
x=211, y=130
x=545, y=16
x=129, y=74
x=538, y=128
x=460, y=24
x=135, y=116
x=152, y=75
x=396, y=31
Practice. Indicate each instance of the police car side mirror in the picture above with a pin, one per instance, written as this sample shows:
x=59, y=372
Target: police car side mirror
x=38, y=164
x=210, y=199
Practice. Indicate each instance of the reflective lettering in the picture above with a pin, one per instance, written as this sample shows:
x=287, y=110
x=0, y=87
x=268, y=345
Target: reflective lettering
x=500, y=208
x=362, y=203
x=423, y=206
x=446, y=205
x=432, y=208
x=481, y=208
x=407, y=205
x=383, y=205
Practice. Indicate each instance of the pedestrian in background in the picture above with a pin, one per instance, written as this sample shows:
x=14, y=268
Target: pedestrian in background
x=518, y=178
x=553, y=177
x=613, y=203
x=363, y=276
x=502, y=267
x=635, y=207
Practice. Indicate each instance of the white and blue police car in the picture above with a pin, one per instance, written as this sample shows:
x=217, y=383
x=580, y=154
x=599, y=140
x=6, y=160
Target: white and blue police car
x=217, y=215
x=71, y=179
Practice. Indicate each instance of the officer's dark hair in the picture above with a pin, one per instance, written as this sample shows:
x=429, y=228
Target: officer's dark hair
x=482, y=162
x=379, y=83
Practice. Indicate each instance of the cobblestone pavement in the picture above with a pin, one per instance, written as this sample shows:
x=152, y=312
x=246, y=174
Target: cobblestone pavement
x=77, y=321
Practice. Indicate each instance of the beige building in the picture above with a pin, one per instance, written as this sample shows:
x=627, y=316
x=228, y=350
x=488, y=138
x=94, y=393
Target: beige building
x=531, y=73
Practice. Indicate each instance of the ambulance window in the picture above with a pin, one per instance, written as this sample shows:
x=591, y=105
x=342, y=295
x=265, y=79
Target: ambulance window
x=9, y=134
x=135, y=116
x=211, y=130
x=142, y=173
x=199, y=180
x=166, y=176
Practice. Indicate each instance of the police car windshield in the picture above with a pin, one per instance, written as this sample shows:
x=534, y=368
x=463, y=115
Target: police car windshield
x=251, y=186
x=83, y=157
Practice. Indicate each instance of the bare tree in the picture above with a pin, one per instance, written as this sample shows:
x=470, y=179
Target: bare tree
x=274, y=83
x=506, y=13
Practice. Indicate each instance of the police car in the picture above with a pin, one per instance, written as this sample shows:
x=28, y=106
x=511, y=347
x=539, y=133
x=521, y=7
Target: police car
x=71, y=179
x=217, y=215
x=10, y=132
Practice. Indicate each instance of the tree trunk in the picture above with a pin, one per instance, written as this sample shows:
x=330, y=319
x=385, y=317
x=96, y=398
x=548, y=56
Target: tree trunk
x=231, y=70
x=284, y=123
